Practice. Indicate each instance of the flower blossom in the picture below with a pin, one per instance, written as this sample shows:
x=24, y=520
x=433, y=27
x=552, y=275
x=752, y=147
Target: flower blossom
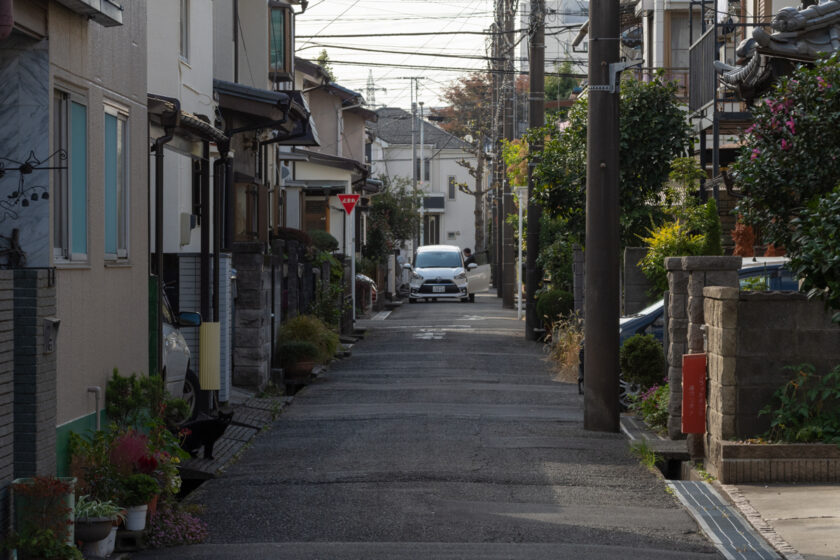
x=785, y=144
x=755, y=153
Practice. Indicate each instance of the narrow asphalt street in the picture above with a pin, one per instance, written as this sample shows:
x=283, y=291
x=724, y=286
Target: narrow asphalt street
x=443, y=436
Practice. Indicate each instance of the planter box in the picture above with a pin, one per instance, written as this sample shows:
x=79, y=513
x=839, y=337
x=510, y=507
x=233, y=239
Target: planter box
x=736, y=463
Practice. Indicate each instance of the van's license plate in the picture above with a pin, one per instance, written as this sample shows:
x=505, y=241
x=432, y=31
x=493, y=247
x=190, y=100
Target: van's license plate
x=438, y=289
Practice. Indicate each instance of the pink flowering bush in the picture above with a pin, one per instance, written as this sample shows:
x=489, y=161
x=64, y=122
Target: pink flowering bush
x=175, y=526
x=652, y=405
x=790, y=156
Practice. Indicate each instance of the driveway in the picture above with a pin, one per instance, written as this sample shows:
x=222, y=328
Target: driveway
x=443, y=436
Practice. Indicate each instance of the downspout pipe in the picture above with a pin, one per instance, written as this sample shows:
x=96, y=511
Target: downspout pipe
x=158, y=149
x=7, y=18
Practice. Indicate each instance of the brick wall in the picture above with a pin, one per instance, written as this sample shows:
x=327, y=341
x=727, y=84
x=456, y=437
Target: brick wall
x=35, y=374
x=7, y=394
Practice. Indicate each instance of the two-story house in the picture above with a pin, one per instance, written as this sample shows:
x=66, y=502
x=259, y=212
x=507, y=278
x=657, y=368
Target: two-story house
x=73, y=185
x=448, y=213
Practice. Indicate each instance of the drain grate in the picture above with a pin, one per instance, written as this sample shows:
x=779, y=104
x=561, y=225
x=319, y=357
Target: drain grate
x=733, y=536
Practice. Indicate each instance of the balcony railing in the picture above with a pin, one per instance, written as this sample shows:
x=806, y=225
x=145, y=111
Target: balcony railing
x=701, y=56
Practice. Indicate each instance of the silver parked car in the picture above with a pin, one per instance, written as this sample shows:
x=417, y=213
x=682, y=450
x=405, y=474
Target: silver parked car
x=181, y=381
x=439, y=273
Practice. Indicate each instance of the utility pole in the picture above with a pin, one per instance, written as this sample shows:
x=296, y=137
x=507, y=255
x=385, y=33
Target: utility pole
x=415, y=88
x=536, y=67
x=498, y=132
x=422, y=184
x=601, y=307
x=508, y=257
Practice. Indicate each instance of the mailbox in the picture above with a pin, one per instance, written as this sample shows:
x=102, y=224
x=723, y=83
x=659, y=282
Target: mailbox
x=694, y=393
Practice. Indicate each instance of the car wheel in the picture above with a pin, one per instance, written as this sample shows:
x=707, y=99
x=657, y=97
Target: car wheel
x=626, y=391
x=190, y=394
x=465, y=300
x=412, y=300
x=472, y=298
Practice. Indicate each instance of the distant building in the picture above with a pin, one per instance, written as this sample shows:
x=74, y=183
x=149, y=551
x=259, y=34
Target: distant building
x=448, y=213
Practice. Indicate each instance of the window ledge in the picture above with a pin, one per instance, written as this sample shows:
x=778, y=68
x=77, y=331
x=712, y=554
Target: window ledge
x=118, y=264
x=70, y=265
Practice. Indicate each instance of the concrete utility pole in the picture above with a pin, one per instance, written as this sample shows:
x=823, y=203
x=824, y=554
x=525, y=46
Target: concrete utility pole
x=422, y=184
x=536, y=65
x=508, y=256
x=498, y=131
x=415, y=87
x=601, y=307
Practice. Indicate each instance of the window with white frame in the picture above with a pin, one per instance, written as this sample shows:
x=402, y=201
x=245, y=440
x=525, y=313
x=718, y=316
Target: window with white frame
x=116, y=184
x=185, y=29
x=70, y=183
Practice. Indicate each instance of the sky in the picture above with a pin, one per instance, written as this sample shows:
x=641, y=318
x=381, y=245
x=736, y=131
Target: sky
x=378, y=17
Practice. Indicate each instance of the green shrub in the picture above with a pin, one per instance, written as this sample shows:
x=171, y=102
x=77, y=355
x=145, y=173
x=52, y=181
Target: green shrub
x=652, y=406
x=642, y=360
x=323, y=240
x=309, y=328
x=138, y=489
x=672, y=239
x=290, y=352
x=554, y=303
x=712, y=230
x=807, y=408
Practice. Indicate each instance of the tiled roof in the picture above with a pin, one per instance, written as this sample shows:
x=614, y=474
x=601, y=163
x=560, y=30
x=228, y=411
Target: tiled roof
x=394, y=126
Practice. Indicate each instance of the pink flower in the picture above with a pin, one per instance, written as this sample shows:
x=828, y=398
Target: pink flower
x=791, y=125
x=750, y=129
x=755, y=153
x=785, y=144
x=822, y=84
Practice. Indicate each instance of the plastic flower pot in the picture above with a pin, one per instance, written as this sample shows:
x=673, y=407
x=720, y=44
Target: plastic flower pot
x=135, y=517
x=39, y=508
x=92, y=529
x=103, y=548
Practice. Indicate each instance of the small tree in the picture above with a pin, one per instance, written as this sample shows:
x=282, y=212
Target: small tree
x=394, y=217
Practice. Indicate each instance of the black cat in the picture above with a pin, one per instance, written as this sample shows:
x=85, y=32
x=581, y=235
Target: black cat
x=203, y=432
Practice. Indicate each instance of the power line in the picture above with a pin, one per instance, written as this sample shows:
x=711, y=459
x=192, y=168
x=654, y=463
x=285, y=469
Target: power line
x=434, y=55
x=422, y=33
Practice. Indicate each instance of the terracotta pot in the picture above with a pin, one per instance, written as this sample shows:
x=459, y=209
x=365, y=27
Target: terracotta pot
x=153, y=505
x=300, y=371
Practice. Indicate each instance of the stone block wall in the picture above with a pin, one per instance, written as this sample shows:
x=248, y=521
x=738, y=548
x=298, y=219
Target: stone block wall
x=252, y=320
x=7, y=393
x=753, y=336
x=635, y=285
x=34, y=375
x=687, y=276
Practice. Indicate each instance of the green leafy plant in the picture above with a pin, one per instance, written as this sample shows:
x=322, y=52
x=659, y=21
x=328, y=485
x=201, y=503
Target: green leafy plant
x=309, y=328
x=138, y=489
x=672, y=239
x=292, y=352
x=652, y=406
x=653, y=131
x=815, y=251
x=791, y=154
x=755, y=284
x=90, y=463
x=642, y=360
x=90, y=508
x=133, y=401
x=41, y=544
x=323, y=241
x=43, y=519
x=806, y=408
x=552, y=304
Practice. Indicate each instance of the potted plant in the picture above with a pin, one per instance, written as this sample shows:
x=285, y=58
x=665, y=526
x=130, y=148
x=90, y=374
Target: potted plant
x=95, y=518
x=137, y=491
x=297, y=357
x=43, y=518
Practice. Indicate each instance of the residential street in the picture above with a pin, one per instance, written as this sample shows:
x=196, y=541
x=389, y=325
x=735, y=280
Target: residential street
x=443, y=436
